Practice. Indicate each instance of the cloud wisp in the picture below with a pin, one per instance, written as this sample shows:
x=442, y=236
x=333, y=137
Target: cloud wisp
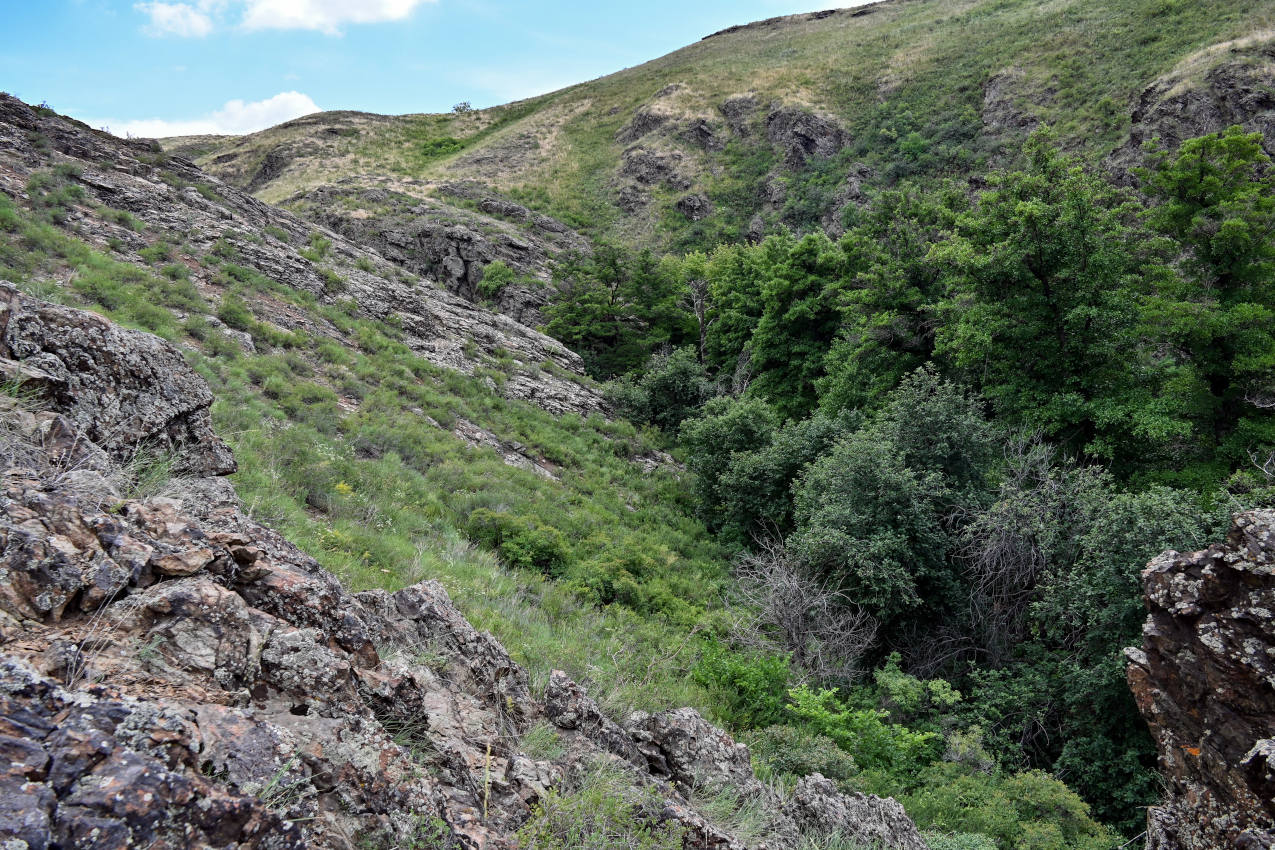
x=179, y=19
x=235, y=118
x=201, y=17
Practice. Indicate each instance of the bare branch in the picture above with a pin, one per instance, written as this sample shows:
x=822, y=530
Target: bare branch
x=823, y=630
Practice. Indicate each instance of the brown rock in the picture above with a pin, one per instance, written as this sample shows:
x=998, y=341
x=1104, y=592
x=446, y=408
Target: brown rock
x=1204, y=680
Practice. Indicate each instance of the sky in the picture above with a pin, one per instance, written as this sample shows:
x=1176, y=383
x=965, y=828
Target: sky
x=160, y=68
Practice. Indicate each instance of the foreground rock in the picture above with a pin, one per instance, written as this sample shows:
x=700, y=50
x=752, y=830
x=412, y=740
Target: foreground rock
x=127, y=391
x=1204, y=680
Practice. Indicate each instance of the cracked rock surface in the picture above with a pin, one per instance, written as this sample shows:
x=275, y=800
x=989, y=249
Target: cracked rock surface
x=1204, y=679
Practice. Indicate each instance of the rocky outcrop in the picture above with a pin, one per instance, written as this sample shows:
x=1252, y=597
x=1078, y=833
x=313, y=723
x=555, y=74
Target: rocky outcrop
x=1204, y=679
x=86, y=769
x=739, y=110
x=1229, y=84
x=870, y=821
x=682, y=746
x=695, y=207
x=450, y=243
x=1007, y=104
x=800, y=134
x=180, y=205
x=127, y=392
x=651, y=168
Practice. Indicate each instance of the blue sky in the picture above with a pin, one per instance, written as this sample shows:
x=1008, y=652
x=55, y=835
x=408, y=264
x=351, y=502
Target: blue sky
x=185, y=66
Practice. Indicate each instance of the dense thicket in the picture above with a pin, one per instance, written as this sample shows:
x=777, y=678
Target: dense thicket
x=972, y=419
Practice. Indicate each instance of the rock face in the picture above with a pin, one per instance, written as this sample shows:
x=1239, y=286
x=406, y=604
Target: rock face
x=1006, y=110
x=449, y=243
x=179, y=205
x=800, y=134
x=1204, y=680
x=819, y=808
x=126, y=391
x=176, y=675
x=1229, y=84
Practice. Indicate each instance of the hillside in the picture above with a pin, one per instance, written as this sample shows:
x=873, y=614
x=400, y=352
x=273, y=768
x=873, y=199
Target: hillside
x=762, y=448
x=785, y=121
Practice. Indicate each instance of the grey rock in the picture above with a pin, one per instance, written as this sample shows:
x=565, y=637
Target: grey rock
x=739, y=111
x=684, y=747
x=800, y=134
x=695, y=207
x=1239, y=89
x=569, y=707
x=649, y=168
x=1204, y=680
x=862, y=819
x=1006, y=104
x=126, y=391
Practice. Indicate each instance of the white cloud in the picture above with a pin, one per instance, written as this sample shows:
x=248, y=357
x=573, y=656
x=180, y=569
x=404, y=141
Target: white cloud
x=179, y=19
x=200, y=17
x=324, y=15
x=235, y=118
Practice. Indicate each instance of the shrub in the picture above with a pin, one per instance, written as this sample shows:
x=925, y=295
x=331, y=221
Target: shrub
x=520, y=541
x=235, y=313
x=672, y=388
x=749, y=689
x=496, y=276
x=894, y=750
x=1028, y=810
x=799, y=751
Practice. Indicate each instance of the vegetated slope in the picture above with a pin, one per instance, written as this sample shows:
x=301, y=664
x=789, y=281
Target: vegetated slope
x=570, y=537
x=174, y=674
x=379, y=422
x=787, y=120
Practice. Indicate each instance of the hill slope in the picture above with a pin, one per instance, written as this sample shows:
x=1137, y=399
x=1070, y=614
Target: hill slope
x=785, y=120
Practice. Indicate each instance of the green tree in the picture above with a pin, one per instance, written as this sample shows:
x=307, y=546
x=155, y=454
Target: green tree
x=1043, y=313
x=798, y=323
x=889, y=305
x=877, y=510
x=672, y=387
x=726, y=428
x=1216, y=196
x=614, y=308
x=736, y=274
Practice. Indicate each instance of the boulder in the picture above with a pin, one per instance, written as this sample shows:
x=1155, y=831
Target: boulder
x=128, y=392
x=862, y=819
x=1204, y=679
x=800, y=134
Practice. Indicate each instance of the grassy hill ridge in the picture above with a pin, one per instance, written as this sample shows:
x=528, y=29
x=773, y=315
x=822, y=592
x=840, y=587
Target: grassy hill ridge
x=902, y=88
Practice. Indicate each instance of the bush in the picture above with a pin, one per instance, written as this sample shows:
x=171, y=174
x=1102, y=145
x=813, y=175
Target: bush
x=1025, y=811
x=749, y=689
x=672, y=388
x=891, y=749
x=798, y=751
x=496, y=276
x=235, y=313
x=521, y=542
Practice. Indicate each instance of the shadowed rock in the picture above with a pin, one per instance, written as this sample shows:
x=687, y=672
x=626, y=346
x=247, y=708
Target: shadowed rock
x=1204, y=680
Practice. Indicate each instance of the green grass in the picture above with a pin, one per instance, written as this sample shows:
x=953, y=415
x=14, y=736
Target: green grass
x=383, y=498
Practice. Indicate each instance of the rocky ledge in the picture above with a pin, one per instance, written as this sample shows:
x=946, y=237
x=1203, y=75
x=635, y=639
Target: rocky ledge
x=174, y=674
x=1204, y=680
